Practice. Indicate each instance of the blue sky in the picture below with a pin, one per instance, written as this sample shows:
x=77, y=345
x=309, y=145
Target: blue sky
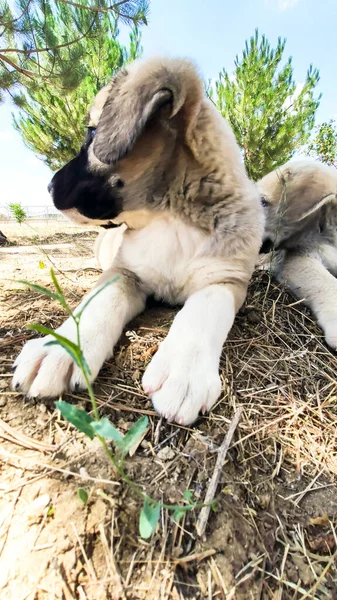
x=211, y=32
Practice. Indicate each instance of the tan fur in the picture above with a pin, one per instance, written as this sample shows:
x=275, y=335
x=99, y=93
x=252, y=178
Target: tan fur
x=301, y=221
x=191, y=227
x=193, y=149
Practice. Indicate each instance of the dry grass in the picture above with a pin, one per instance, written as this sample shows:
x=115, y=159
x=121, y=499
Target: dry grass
x=274, y=533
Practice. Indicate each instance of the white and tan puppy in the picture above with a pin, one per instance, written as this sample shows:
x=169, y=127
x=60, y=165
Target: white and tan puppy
x=159, y=159
x=300, y=200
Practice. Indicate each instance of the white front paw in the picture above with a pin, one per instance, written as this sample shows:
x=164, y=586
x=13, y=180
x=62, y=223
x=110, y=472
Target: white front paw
x=327, y=319
x=182, y=380
x=48, y=371
x=330, y=333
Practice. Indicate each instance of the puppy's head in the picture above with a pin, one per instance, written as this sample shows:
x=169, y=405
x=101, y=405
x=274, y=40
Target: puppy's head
x=136, y=126
x=292, y=195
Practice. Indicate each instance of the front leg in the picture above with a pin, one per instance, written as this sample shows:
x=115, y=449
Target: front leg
x=308, y=279
x=48, y=371
x=183, y=377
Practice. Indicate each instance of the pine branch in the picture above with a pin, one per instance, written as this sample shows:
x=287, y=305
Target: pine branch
x=27, y=53
x=39, y=31
x=18, y=69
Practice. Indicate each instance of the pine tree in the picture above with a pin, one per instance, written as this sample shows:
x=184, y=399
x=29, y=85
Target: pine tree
x=51, y=123
x=41, y=41
x=269, y=117
x=323, y=146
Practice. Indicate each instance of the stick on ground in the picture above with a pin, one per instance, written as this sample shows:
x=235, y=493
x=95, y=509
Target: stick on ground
x=204, y=513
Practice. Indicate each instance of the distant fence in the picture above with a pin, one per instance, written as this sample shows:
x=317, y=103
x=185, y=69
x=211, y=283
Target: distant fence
x=40, y=213
x=37, y=216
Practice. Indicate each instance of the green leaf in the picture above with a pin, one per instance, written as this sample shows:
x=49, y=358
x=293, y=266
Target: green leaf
x=77, y=417
x=188, y=495
x=83, y=495
x=73, y=355
x=106, y=430
x=179, y=513
x=149, y=518
x=135, y=432
x=84, y=363
x=100, y=289
x=77, y=354
x=73, y=349
x=40, y=289
x=56, y=284
x=59, y=290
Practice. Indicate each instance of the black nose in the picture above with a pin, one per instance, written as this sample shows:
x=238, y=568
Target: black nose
x=50, y=186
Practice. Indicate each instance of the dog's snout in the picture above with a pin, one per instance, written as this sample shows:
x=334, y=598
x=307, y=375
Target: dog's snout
x=50, y=187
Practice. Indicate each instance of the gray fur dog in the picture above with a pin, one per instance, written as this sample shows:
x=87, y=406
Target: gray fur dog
x=300, y=200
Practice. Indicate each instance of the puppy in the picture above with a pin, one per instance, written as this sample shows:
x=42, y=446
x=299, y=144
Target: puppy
x=300, y=200
x=159, y=159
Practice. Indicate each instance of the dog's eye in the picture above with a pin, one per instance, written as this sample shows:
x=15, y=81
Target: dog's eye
x=264, y=201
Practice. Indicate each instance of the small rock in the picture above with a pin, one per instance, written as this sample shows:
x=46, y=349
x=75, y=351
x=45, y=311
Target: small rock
x=145, y=444
x=253, y=317
x=84, y=473
x=166, y=453
x=3, y=400
x=37, y=507
x=3, y=384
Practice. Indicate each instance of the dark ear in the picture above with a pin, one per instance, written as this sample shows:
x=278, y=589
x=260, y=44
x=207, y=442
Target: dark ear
x=123, y=120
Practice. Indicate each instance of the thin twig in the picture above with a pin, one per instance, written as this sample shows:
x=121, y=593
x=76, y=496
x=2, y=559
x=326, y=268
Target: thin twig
x=204, y=513
x=19, y=438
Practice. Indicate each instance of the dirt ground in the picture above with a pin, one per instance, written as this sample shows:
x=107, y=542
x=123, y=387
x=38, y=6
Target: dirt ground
x=273, y=535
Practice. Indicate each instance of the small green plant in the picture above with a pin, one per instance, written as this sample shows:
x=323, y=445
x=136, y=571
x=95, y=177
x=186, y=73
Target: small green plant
x=103, y=429
x=17, y=211
x=83, y=495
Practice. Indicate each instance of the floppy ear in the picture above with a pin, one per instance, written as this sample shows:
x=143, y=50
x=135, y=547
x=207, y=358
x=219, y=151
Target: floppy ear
x=123, y=119
x=305, y=193
x=297, y=190
x=305, y=206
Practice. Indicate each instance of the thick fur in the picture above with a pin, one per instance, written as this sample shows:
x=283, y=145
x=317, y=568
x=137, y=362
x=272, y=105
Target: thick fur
x=300, y=201
x=161, y=162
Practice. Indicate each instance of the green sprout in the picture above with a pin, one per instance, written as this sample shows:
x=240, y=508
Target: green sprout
x=103, y=429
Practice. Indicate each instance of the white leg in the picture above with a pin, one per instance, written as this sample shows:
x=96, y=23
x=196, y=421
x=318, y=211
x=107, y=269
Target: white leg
x=308, y=278
x=107, y=244
x=183, y=377
x=328, y=254
x=47, y=371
